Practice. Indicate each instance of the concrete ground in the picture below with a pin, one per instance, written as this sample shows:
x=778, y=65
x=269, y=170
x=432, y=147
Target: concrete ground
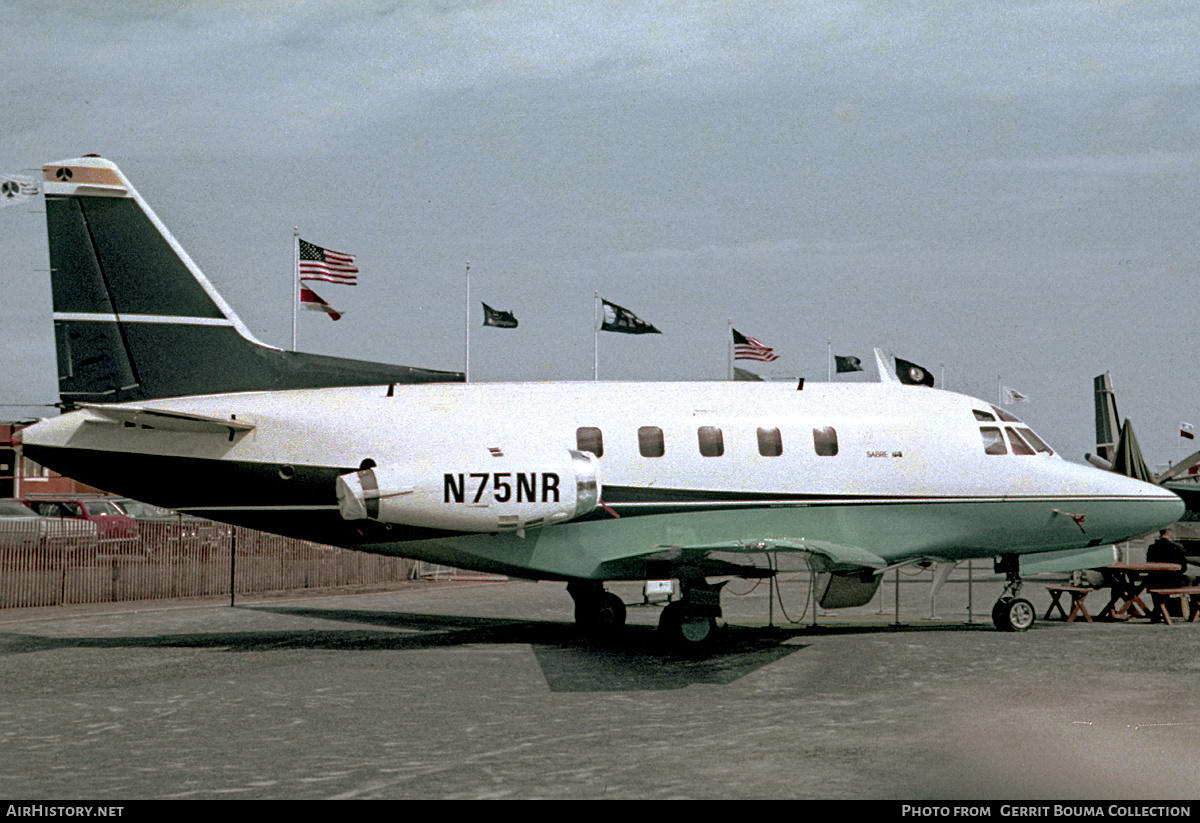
x=486, y=691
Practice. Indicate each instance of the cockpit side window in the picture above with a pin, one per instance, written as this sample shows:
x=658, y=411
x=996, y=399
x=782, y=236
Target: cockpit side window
x=993, y=441
x=1019, y=446
x=1035, y=441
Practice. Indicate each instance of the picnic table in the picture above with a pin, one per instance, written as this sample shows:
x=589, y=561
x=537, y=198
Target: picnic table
x=1189, y=595
x=1128, y=582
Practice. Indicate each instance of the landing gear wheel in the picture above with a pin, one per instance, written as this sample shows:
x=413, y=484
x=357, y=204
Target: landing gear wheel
x=1013, y=614
x=684, y=631
x=604, y=613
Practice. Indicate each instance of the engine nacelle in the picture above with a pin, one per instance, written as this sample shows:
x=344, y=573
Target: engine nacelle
x=474, y=494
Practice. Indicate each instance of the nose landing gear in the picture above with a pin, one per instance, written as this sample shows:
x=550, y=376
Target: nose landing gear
x=1012, y=613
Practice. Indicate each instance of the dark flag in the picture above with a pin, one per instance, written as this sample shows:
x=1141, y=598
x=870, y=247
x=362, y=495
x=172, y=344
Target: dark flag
x=847, y=363
x=317, y=263
x=912, y=374
x=747, y=348
x=624, y=321
x=500, y=319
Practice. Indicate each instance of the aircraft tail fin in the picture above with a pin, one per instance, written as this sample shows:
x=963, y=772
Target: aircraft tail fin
x=1108, y=423
x=136, y=319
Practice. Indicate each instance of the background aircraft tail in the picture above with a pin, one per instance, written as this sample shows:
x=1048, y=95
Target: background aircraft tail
x=1108, y=423
x=134, y=317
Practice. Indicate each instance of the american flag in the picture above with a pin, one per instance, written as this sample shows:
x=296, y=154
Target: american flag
x=317, y=263
x=312, y=301
x=747, y=348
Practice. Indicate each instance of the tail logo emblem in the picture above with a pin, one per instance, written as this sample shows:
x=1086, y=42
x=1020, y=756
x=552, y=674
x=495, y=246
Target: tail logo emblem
x=63, y=174
x=10, y=189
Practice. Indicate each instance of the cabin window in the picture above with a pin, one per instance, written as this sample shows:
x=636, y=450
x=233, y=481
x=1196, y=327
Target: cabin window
x=590, y=439
x=1019, y=446
x=825, y=441
x=650, y=441
x=1035, y=441
x=712, y=442
x=770, y=442
x=982, y=415
x=993, y=441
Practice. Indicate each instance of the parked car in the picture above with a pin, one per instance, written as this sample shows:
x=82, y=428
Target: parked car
x=23, y=528
x=165, y=527
x=117, y=532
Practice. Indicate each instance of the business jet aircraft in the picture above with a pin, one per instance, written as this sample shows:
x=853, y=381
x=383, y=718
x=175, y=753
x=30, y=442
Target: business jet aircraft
x=583, y=482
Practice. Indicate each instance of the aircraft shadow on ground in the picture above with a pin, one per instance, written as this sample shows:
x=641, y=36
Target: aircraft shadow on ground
x=634, y=660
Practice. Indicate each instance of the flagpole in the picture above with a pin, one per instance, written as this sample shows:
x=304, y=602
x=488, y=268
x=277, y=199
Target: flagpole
x=295, y=279
x=467, y=328
x=829, y=360
x=729, y=346
x=596, y=336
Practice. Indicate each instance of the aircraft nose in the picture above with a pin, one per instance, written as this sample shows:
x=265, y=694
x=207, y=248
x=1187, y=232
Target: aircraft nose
x=1147, y=507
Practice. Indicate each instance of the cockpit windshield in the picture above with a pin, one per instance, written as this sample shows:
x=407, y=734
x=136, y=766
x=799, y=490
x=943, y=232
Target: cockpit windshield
x=1020, y=438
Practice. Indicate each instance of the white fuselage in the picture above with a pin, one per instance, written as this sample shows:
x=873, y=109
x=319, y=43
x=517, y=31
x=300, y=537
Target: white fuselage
x=896, y=470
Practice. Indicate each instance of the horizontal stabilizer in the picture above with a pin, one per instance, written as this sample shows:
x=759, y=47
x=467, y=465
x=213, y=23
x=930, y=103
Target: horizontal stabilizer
x=142, y=418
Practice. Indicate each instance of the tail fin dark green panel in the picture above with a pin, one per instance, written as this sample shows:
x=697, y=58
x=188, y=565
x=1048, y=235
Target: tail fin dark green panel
x=136, y=319
x=1108, y=423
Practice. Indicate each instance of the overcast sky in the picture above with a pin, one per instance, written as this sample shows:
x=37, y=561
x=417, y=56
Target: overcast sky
x=1006, y=190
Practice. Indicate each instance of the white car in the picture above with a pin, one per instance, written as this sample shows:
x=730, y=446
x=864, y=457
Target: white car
x=23, y=528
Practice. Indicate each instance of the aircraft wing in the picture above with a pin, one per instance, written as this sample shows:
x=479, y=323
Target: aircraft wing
x=144, y=418
x=1183, y=468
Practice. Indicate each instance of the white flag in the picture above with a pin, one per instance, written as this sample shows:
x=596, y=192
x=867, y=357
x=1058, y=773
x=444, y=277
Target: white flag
x=1187, y=430
x=16, y=189
x=1013, y=396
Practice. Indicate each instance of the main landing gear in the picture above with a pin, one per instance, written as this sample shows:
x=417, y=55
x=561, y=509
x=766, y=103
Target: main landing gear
x=1012, y=613
x=596, y=611
x=689, y=623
